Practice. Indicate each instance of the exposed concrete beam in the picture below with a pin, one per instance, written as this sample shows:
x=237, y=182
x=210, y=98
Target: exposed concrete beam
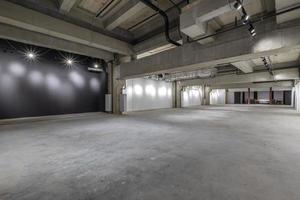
x=67, y=5
x=38, y=39
x=194, y=20
x=281, y=5
x=21, y=17
x=155, y=42
x=245, y=66
x=131, y=8
x=281, y=84
x=270, y=40
x=279, y=75
x=268, y=5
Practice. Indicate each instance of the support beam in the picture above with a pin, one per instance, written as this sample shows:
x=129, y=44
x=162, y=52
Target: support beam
x=66, y=5
x=245, y=66
x=282, y=5
x=130, y=9
x=269, y=41
x=279, y=75
x=24, y=18
x=194, y=20
x=278, y=84
x=38, y=39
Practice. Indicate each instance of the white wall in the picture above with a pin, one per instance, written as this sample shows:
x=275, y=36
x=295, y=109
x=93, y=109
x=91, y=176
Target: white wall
x=278, y=95
x=217, y=96
x=297, y=96
x=230, y=97
x=191, y=97
x=146, y=94
x=263, y=95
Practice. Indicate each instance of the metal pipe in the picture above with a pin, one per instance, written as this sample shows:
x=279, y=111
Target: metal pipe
x=148, y=18
x=166, y=19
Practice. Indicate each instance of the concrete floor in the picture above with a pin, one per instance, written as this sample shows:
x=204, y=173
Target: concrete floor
x=220, y=152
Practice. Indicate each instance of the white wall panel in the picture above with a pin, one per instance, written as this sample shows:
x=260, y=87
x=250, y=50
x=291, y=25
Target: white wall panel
x=217, y=96
x=146, y=94
x=278, y=95
x=191, y=97
x=263, y=95
x=230, y=97
x=297, y=97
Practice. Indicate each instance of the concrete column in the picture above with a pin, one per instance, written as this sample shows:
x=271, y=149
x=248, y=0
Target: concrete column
x=249, y=94
x=109, y=68
x=174, y=97
x=226, y=96
x=206, y=96
x=178, y=89
x=270, y=96
x=118, y=85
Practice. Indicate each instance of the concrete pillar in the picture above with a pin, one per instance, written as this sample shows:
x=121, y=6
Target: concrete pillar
x=226, y=96
x=109, y=69
x=249, y=93
x=178, y=89
x=206, y=96
x=270, y=96
x=117, y=83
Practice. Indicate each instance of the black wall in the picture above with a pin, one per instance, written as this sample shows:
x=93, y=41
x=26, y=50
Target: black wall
x=47, y=86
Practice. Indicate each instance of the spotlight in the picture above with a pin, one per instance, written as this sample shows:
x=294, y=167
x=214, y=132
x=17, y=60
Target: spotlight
x=251, y=29
x=253, y=34
x=96, y=66
x=30, y=55
x=69, y=61
x=245, y=18
x=237, y=5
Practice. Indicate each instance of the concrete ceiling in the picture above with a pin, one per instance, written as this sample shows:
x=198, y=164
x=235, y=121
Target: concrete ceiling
x=253, y=8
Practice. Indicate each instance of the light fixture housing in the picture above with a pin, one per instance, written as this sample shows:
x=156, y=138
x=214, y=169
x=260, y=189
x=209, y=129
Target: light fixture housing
x=251, y=29
x=237, y=5
x=245, y=18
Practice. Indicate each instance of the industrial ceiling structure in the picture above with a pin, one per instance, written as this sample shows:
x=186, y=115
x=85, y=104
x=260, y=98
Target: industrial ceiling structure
x=156, y=32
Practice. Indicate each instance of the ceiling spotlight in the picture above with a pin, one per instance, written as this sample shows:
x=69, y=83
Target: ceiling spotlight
x=69, y=61
x=245, y=18
x=253, y=34
x=30, y=55
x=96, y=66
x=237, y=5
x=251, y=29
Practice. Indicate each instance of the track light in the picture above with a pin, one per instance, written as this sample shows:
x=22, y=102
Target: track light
x=251, y=29
x=237, y=5
x=253, y=34
x=245, y=18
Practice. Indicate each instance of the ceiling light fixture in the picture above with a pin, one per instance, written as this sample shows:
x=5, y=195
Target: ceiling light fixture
x=245, y=18
x=30, y=55
x=69, y=61
x=251, y=29
x=237, y=5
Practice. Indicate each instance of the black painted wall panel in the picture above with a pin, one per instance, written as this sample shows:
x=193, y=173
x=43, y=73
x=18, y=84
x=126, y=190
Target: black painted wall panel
x=47, y=87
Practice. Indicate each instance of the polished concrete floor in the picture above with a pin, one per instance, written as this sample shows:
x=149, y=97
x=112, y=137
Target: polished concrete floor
x=209, y=153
